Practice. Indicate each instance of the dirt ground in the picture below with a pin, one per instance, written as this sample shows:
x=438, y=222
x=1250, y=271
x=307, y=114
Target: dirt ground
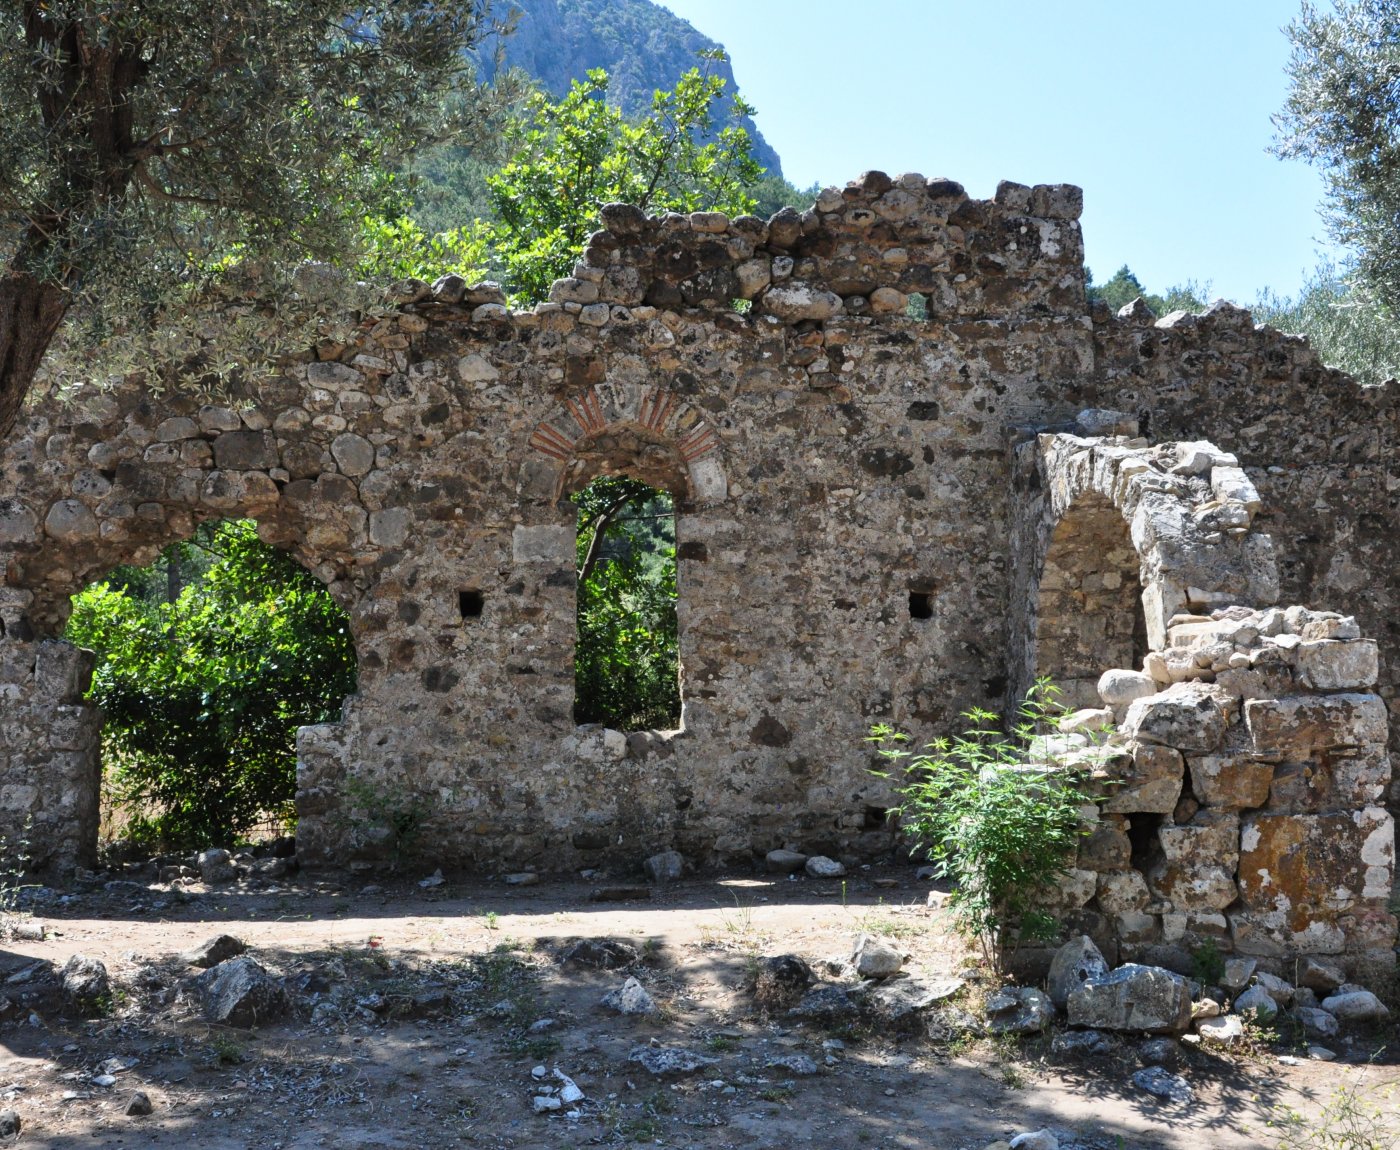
x=420, y=1016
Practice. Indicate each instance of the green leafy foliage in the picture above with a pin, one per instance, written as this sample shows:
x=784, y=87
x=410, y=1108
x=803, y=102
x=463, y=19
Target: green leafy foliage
x=1342, y=115
x=626, y=666
x=994, y=814
x=1124, y=287
x=572, y=157
x=1343, y=323
x=204, y=688
x=146, y=147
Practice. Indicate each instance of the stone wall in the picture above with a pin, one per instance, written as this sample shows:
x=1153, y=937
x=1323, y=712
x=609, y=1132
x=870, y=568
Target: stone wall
x=1243, y=780
x=858, y=533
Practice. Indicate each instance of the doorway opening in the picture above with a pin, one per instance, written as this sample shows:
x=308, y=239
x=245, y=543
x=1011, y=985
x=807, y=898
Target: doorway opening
x=208, y=660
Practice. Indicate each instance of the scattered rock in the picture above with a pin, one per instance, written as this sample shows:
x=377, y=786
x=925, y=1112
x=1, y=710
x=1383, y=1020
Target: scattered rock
x=569, y=1091
x=240, y=992
x=1223, y=1031
x=1073, y=965
x=1133, y=997
x=1019, y=1010
x=213, y=951
x=826, y=1004
x=1258, y=1002
x=1118, y=688
x=216, y=866
x=1081, y=1043
x=874, y=958
x=664, y=1060
x=780, y=981
x=1320, y=976
x=1035, y=1140
x=630, y=998
x=668, y=866
x=819, y=866
x=1162, y=1083
x=798, y=1064
x=1317, y=1023
x=29, y=930
x=543, y=1103
x=1356, y=1006
x=9, y=1122
x=600, y=954
x=1321, y=1054
x=785, y=861
x=434, y=879
x=1158, y=1052
x=522, y=878
x=1276, y=988
x=1205, y=1008
x=139, y=1105
x=898, y=1001
x=1238, y=972
x=85, y=983
x=627, y=893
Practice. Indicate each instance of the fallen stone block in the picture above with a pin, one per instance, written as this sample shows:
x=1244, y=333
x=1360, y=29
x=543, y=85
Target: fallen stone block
x=1133, y=997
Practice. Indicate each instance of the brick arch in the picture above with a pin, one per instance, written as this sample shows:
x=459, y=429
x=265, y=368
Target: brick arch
x=628, y=421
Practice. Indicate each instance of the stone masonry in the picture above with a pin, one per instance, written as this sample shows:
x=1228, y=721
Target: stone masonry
x=888, y=508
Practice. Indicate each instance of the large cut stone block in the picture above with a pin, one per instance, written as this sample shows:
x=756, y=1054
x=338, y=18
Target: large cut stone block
x=1328, y=665
x=1133, y=997
x=1211, y=837
x=1297, y=728
x=1187, y=716
x=1341, y=782
x=1106, y=848
x=1197, y=868
x=1194, y=888
x=1152, y=784
x=1230, y=782
x=1297, y=869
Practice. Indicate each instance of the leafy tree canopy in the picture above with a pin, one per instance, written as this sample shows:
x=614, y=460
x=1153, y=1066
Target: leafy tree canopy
x=572, y=157
x=1124, y=287
x=1343, y=116
x=145, y=146
x=1343, y=326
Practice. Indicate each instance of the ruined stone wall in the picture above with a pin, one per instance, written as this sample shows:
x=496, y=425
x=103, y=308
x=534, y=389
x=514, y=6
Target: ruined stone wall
x=851, y=537
x=1244, y=778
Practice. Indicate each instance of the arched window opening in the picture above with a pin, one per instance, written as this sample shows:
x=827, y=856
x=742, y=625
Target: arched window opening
x=208, y=660
x=626, y=666
x=1089, y=615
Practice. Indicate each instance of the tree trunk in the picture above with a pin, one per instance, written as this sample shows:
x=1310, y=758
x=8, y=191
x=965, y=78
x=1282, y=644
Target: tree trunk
x=31, y=310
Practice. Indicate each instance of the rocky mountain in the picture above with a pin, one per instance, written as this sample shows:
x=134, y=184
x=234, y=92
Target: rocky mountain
x=641, y=45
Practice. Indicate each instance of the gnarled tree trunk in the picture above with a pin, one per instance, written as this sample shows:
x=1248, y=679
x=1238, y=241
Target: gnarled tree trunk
x=31, y=310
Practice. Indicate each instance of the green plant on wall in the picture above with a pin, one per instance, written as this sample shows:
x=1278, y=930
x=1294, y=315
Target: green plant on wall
x=207, y=665
x=995, y=815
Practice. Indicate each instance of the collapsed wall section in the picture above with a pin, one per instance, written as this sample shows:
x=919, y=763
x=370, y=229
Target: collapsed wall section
x=1243, y=784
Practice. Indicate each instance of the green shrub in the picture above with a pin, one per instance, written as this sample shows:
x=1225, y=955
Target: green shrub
x=993, y=814
x=204, y=685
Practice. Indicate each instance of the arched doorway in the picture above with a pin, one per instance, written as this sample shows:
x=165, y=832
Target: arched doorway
x=1089, y=608
x=207, y=661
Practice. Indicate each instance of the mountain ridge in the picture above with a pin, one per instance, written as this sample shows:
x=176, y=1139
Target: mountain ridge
x=642, y=46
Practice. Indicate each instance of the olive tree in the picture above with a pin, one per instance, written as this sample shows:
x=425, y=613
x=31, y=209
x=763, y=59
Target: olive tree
x=148, y=147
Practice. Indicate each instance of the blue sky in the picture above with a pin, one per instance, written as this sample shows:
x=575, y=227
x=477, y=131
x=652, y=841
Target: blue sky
x=1159, y=111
